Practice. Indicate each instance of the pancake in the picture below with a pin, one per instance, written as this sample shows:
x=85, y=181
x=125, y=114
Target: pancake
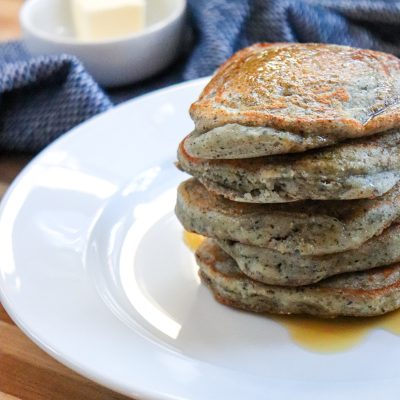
x=307, y=227
x=358, y=294
x=290, y=97
x=235, y=141
x=359, y=168
x=274, y=268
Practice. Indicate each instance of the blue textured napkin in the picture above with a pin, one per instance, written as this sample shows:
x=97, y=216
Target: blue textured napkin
x=43, y=97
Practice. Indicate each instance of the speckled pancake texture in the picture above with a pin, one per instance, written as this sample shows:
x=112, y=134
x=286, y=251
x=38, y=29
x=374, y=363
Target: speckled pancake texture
x=307, y=227
x=361, y=294
x=358, y=168
x=293, y=269
x=285, y=97
x=295, y=164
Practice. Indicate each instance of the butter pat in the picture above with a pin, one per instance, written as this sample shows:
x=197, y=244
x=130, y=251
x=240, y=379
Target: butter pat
x=107, y=19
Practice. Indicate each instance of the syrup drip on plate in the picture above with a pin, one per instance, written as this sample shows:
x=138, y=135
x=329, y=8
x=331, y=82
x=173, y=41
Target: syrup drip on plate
x=337, y=334
x=319, y=334
x=192, y=240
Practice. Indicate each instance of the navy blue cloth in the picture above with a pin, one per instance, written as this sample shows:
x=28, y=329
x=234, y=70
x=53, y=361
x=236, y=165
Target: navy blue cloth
x=43, y=97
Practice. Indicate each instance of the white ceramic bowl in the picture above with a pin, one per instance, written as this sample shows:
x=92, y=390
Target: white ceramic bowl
x=47, y=29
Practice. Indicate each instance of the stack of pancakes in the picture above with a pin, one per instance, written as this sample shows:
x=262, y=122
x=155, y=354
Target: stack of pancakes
x=296, y=164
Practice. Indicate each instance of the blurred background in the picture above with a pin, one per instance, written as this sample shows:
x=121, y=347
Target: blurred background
x=9, y=19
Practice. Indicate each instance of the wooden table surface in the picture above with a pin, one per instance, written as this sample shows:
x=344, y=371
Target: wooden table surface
x=26, y=372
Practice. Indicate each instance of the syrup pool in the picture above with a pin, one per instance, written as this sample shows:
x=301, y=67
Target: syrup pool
x=319, y=334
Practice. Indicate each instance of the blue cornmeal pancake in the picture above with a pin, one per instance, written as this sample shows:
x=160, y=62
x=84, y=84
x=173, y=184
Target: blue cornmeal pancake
x=290, y=97
x=275, y=268
x=304, y=227
x=359, y=294
x=359, y=168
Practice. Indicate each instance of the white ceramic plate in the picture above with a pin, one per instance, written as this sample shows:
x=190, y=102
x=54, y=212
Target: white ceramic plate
x=94, y=270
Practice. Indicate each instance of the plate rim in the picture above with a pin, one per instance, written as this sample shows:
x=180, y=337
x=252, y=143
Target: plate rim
x=141, y=393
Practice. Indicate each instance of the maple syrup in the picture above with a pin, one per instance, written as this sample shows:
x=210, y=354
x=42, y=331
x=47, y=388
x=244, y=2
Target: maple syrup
x=321, y=334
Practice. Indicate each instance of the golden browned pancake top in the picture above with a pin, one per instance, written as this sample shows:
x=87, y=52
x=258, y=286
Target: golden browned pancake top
x=303, y=88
